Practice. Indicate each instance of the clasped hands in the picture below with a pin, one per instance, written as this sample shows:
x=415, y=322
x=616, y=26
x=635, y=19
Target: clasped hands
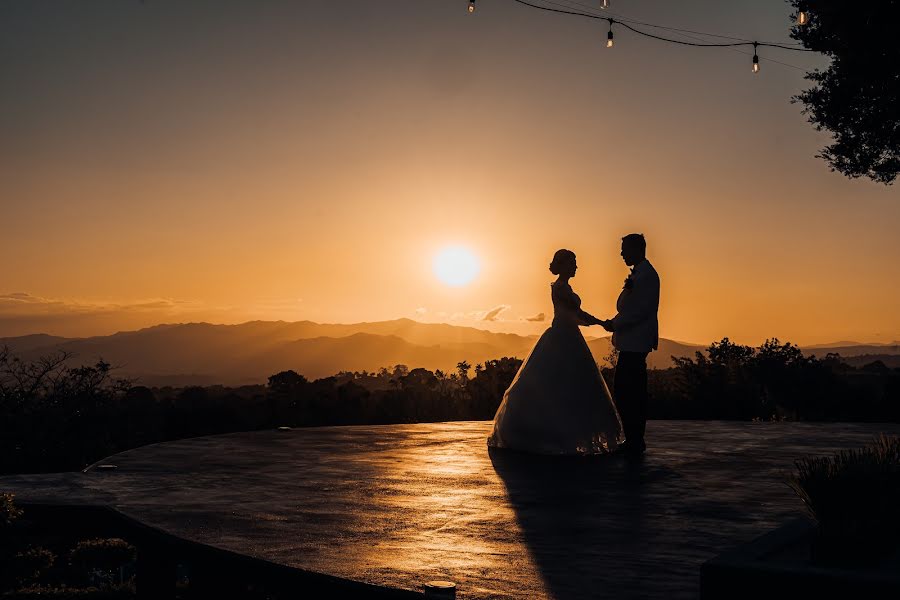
x=607, y=324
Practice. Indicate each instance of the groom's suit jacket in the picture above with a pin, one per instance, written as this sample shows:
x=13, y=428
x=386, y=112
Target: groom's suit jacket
x=635, y=327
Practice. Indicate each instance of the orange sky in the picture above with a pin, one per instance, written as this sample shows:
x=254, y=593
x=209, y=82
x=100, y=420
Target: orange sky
x=227, y=161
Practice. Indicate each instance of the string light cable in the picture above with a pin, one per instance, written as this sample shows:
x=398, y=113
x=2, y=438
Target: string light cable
x=687, y=33
x=624, y=19
x=630, y=24
x=627, y=25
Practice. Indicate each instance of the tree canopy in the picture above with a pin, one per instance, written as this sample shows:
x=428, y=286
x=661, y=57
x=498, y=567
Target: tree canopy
x=856, y=97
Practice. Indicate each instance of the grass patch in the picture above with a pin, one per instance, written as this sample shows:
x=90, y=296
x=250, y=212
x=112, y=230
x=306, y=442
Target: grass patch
x=854, y=496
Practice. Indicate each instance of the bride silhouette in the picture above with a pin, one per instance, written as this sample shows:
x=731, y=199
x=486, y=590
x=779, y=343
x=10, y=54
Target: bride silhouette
x=558, y=403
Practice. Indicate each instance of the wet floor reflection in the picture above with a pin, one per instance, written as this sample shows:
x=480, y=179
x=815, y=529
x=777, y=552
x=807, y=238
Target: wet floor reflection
x=402, y=504
x=584, y=520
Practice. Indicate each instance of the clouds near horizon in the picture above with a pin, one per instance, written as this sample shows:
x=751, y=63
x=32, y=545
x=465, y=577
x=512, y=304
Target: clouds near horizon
x=22, y=313
x=494, y=313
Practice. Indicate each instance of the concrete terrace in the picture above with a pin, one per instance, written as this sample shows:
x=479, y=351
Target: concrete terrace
x=399, y=505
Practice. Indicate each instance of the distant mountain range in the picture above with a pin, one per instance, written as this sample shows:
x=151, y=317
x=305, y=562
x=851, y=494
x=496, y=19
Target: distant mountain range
x=845, y=344
x=205, y=353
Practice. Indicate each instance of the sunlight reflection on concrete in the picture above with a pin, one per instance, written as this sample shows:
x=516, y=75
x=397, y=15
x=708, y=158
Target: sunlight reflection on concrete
x=400, y=505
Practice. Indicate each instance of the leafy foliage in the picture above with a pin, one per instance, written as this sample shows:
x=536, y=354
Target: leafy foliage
x=28, y=565
x=855, y=98
x=53, y=412
x=98, y=568
x=54, y=417
x=101, y=561
x=775, y=381
x=102, y=553
x=9, y=512
x=64, y=592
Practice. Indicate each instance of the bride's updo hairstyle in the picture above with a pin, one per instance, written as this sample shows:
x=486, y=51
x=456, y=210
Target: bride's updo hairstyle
x=562, y=260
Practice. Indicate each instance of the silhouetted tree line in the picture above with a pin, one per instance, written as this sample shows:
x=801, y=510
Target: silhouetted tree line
x=54, y=417
x=774, y=381
x=396, y=395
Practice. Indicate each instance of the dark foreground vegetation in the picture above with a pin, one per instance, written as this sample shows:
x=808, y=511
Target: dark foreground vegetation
x=88, y=553
x=853, y=497
x=54, y=417
x=49, y=562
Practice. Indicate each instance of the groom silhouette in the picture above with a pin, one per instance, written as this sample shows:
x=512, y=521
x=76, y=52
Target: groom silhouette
x=635, y=332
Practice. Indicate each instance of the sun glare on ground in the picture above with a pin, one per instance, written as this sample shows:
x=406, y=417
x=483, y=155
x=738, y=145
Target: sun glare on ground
x=456, y=266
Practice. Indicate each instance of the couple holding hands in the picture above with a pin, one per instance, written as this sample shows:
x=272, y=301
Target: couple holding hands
x=558, y=402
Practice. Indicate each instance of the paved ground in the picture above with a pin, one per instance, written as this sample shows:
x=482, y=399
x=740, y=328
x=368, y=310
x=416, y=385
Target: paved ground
x=402, y=504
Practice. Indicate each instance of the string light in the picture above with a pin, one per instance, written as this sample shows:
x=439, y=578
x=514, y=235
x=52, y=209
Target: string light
x=802, y=18
x=471, y=6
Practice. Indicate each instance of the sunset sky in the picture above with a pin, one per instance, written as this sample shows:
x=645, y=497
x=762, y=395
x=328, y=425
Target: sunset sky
x=230, y=160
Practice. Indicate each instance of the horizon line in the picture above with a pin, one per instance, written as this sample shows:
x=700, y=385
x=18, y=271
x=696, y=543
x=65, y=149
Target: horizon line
x=836, y=343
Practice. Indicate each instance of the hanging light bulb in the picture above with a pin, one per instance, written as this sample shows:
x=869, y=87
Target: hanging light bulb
x=755, y=59
x=471, y=6
x=609, y=36
x=802, y=17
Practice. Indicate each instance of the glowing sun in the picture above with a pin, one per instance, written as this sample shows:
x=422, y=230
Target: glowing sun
x=456, y=266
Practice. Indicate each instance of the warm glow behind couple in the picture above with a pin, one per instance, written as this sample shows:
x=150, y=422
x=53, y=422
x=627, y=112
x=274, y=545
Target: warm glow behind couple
x=558, y=402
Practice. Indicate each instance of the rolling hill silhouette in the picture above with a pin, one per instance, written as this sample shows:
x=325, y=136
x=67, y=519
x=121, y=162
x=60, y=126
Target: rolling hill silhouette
x=205, y=353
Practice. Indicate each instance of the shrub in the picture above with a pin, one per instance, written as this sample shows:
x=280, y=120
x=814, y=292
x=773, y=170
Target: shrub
x=8, y=510
x=101, y=559
x=30, y=564
x=855, y=498
x=99, y=553
x=63, y=592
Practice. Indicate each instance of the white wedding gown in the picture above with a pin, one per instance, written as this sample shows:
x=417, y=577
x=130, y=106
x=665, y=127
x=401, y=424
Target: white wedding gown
x=558, y=402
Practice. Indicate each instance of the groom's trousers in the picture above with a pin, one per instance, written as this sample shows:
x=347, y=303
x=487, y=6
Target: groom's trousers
x=630, y=393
